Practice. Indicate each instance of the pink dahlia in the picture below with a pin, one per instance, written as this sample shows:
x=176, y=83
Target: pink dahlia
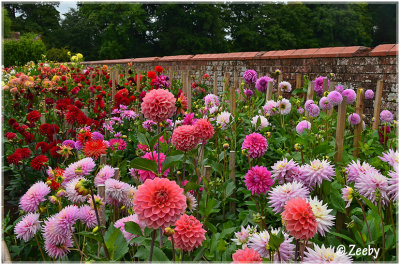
x=322, y=255
x=371, y=181
x=28, y=226
x=66, y=218
x=117, y=144
x=282, y=170
x=391, y=157
x=80, y=168
x=354, y=119
x=335, y=98
x=246, y=255
x=355, y=169
x=204, y=129
x=255, y=144
x=36, y=194
x=105, y=173
x=185, y=138
x=347, y=195
x=318, y=171
x=350, y=95
x=325, y=104
x=159, y=202
x=393, y=188
x=158, y=105
x=87, y=215
x=121, y=225
x=189, y=233
x=57, y=251
x=144, y=174
x=299, y=219
x=303, y=125
x=258, y=180
x=72, y=193
x=369, y=94
x=279, y=195
x=117, y=192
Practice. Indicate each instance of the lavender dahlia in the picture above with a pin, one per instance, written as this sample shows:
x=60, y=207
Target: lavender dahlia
x=318, y=84
x=262, y=83
x=258, y=180
x=386, y=116
x=270, y=108
x=355, y=169
x=279, y=195
x=369, y=183
x=72, y=193
x=393, y=188
x=369, y=94
x=259, y=242
x=335, y=98
x=303, y=125
x=105, y=173
x=391, y=157
x=317, y=171
x=80, y=168
x=350, y=95
x=88, y=216
x=286, y=249
x=242, y=237
x=282, y=170
x=314, y=110
x=354, y=119
x=325, y=255
x=324, y=103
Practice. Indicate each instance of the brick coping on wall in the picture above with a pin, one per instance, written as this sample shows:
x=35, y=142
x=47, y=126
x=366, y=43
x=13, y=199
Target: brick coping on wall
x=352, y=51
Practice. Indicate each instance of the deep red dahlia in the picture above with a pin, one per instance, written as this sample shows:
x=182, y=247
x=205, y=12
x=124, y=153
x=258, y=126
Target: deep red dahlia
x=11, y=122
x=159, y=69
x=14, y=158
x=151, y=74
x=24, y=152
x=10, y=135
x=38, y=162
x=43, y=147
x=33, y=116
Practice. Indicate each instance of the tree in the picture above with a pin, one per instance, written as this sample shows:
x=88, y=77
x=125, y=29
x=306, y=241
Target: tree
x=6, y=23
x=385, y=22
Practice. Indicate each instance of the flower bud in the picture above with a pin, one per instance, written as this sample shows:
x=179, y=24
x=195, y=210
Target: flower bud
x=226, y=146
x=268, y=134
x=245, y=152
x=95, y=229
x=169, y=232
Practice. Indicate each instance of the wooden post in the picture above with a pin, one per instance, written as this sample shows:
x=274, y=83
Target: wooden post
x=138, y=81
x=44, y=106
x=359, y=127
x=103, y=159
x=377, y=104
x=340, y=126
x=185, y=81
x=325, y=86
x=116, y=208
x=226, y=81
x=331, y=88
x=270, y=87
x=43, y=118
x=207, y=173
x=117, y=77
x=232, y=175
x=298, y=81
x=233, y=92
x=215, y=84
x=86, y=111
x=6, y=257
x=310, y=91
x=189, y=91
x=113, y=78
x=280, y=92
x=101, y=190
x=241, y=89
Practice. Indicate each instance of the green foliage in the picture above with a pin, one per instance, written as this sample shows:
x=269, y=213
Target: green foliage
x=19, y=52
x=58, y=55
x=6, y=23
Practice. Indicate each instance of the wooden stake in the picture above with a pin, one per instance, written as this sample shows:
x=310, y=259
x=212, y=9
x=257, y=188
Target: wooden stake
x=270, y=87
x=310, y=91
x=232, y=175
x=241, y=89
x=215, y=84
x=359, y=127
x=377, y=104
x=101, y=190
x=298, y=81
x=6, y=257
x=207, y=173
x=233, y=92
x=340, y=126
x=189, y=91
x=226, y=81
x=331, y=88
x=185, y=81
x=103, y=159
x=280, y=92
x=43, y=118
x=86, y=111
x=325, y=85
x=113, y=78
x=138, y=82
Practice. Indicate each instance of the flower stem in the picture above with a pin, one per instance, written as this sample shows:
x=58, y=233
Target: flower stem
x=383, y=228
x=391, y=217
x=99, y=224
x=184, y=169
x=183, y=256
x=365, y=218
x=173, y=249
x=41, y=251
x=152, y=245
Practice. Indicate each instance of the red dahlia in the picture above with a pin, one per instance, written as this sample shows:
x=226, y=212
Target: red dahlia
x=75, y=115
x=10, y=135
x=24, y=152
x=43, y=147
x=38, y=162
x=85, y=136
x=14, y=158
x=33, y=116
x=151, y=74
x=11, y=122
x=94, y=148
x=158, y=69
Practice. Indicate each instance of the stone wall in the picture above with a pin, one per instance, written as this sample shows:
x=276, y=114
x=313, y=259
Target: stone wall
x=354, y=67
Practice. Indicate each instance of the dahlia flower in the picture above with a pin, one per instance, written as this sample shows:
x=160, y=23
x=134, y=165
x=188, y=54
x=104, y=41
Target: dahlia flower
x=281, y=170
x=270, y=108
x=258, y=180
x=57, y=251
x=191, y=202
x=246, y=255
x=314, y=110
x=88, y=216
x=285, y=86
x=144, y=174
x=159, y=202
x=72, y=193
x=322, y=216
x=286, y=249
x=211, y=100
x=204, y=129
x=355, y=169
x=80, y=168
x=189, y=119
x=318, y=171
x=371, y=181
x=256, y=144
x=189, y=233
x=303, y=125
x=36, y=194
x=185, y=138
x=308, y=104
x=158, y=105
x=97, y=136
x=335, y=98
x=263, y=122
x=324, y=103
x=94, y=148
x=242, y=237
x=66, y=218
x=250, y=76
x=299, y=219
x=262, y=83
x=350, y=95
x=391, y=157
x=347, y=195
x=339, y=89
x=28, y=226
x=284, y=106
x=279, y=195
x=369, y=94
x=148, y=125
x=38, y=162
x=117, y=192
x=259, y=242
x=325, y=255
x=393, y=188
x=121, y=225
x=318, y=85
x=386, y=116
x=223, y=119
x=354, y=119
x=117, y=144
x=105, y=173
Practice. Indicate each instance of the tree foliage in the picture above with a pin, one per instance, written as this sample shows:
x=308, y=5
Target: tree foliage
x=6, y=23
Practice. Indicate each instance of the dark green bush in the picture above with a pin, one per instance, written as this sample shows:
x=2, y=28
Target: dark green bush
x=19, y=52
x=58, y=55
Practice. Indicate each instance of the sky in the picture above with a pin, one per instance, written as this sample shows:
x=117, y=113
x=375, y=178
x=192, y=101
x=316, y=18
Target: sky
x=65, y=6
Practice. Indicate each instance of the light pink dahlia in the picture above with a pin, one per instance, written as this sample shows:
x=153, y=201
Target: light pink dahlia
x=318, y=171
x=322, y=216
x=391, y=157
x=242, y=237
x=258, y=180
x=256, y=145
x=80, y=168
x=58, y=250
x=36, y=194
x=145, y=174
x=246, y=255
x=370, y=182
x=121, y=225
x=347, y=195
x=282, y=170
x=321, y=255
x=117, y=192
x=72, y=193
x=159, y=202
x=303, y=125
x=88, y=216
x=28, y=226
x=355, y=169
x=105, y=173
x=393, y=188
x=259, y=242
x=189, y=233
x=158, y=105
x=279, y=195
x=66, y=218
x=185, y=138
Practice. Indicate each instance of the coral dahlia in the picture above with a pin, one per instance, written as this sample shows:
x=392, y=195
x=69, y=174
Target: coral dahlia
x=158, y=105
x=185, y=138
x=204, y=129
x=189, y=233
x=246, y=255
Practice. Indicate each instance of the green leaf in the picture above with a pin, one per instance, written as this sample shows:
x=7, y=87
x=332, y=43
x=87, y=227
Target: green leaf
x=159, y=255
x=337, y=201
x=199, y=254
x=276, y=240
x=171, y=160
x=142, y=138
x=143, y=253
x=133, y=228
x=230, y=187
x=120, y=247
x=191, y=186
x=144, y=164
x=91, y=235
x=154, y=140
x=344, y=237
